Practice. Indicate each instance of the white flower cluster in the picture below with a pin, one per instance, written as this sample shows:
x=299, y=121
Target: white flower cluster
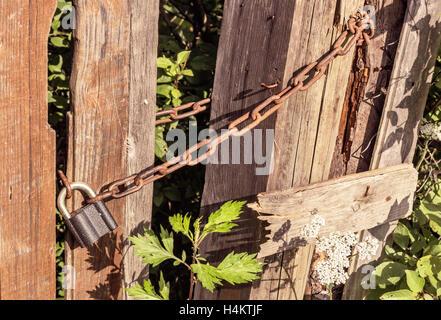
x=431, y=130
x=311, y=230
x=337, y=247
x=367, y=248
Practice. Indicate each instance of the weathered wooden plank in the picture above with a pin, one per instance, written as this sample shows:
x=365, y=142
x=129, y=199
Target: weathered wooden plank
x=406, y=97
x=27, y=187
x=113, y=94
x=253, y=48
x=141, y=126
x=306, y=130
x=348, y=204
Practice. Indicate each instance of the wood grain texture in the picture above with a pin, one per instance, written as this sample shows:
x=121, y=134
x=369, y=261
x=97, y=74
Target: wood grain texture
x=27, y=187
x=141, y=126
x=306, y=131
x=403, y=109
x=389, y=16
x=113, y=100
x=348, y=204
x=307, y=34
x=253, y=48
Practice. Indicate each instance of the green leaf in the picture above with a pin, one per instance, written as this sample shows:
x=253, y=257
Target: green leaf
x=59, y=42
x=418, y=245
x=435, y=226
x=197, y=228
x=429, y=266
x=389, y=273
x=147, y=292
x=414, y=281
x=50, y=97
x=428, y=297
x=188, y=73
x=175, y=93
x=399, y=295
x=433, y=212
x=436, y=285
x=164, y=79
x=419, y=217
x=184, y=256
x=375, y=294
x=239, y=268
x=149, y=247
x=164, y=90
x=207, y=275
x=167, y=239
x=401, y=236
x=181, y=223
x=399, y=256
x=432, y=249
x=55, y=63
x=164, y=287
x=182, y=57
x=164, y=63
x=221, y=220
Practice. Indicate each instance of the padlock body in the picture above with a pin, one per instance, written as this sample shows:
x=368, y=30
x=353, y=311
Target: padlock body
x=90, y=223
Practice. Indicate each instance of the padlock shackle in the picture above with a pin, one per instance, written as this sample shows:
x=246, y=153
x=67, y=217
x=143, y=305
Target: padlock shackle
x=61, y=200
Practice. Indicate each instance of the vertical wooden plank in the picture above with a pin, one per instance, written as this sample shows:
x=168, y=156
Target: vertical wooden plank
x=404, y=106
x=304, y=126
x=141, y=126
x=253, y=48
x=27, y=187
x=113, y=103
x=306, y=131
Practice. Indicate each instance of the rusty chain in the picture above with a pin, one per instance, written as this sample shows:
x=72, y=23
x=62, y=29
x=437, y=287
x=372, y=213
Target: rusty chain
x=303, y=81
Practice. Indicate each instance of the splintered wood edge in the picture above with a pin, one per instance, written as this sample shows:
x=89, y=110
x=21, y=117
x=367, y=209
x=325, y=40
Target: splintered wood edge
x=266, y=249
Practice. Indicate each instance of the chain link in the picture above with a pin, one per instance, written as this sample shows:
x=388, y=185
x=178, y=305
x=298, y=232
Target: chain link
x=303, y=81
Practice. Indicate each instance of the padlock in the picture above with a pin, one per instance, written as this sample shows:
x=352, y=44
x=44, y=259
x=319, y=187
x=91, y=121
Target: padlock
x=89, y=223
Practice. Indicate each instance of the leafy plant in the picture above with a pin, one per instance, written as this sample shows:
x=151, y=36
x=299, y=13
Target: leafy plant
x=235, y=268
x=411, y=269
x=194, y=27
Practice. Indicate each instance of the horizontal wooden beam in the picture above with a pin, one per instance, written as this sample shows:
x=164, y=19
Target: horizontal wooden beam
x=350, y=203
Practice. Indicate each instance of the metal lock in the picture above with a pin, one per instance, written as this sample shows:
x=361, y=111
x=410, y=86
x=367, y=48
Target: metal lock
x=89, y=223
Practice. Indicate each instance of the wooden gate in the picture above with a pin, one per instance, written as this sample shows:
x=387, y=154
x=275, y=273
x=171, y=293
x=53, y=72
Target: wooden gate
x=311, y=131
x=363, y=115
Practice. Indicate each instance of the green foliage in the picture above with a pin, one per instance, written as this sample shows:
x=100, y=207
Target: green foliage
x=235, y=268
x=147, y=291
x=59, y=68
x=60, y=55
x=411, y=269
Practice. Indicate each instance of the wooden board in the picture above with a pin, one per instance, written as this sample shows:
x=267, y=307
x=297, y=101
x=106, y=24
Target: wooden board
x=406, y=98
x=27, y=187
x=306, y=131
x=112, y=131
x=253, y=48
x=265, y=49
x=348, y=204
x=141, y=127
